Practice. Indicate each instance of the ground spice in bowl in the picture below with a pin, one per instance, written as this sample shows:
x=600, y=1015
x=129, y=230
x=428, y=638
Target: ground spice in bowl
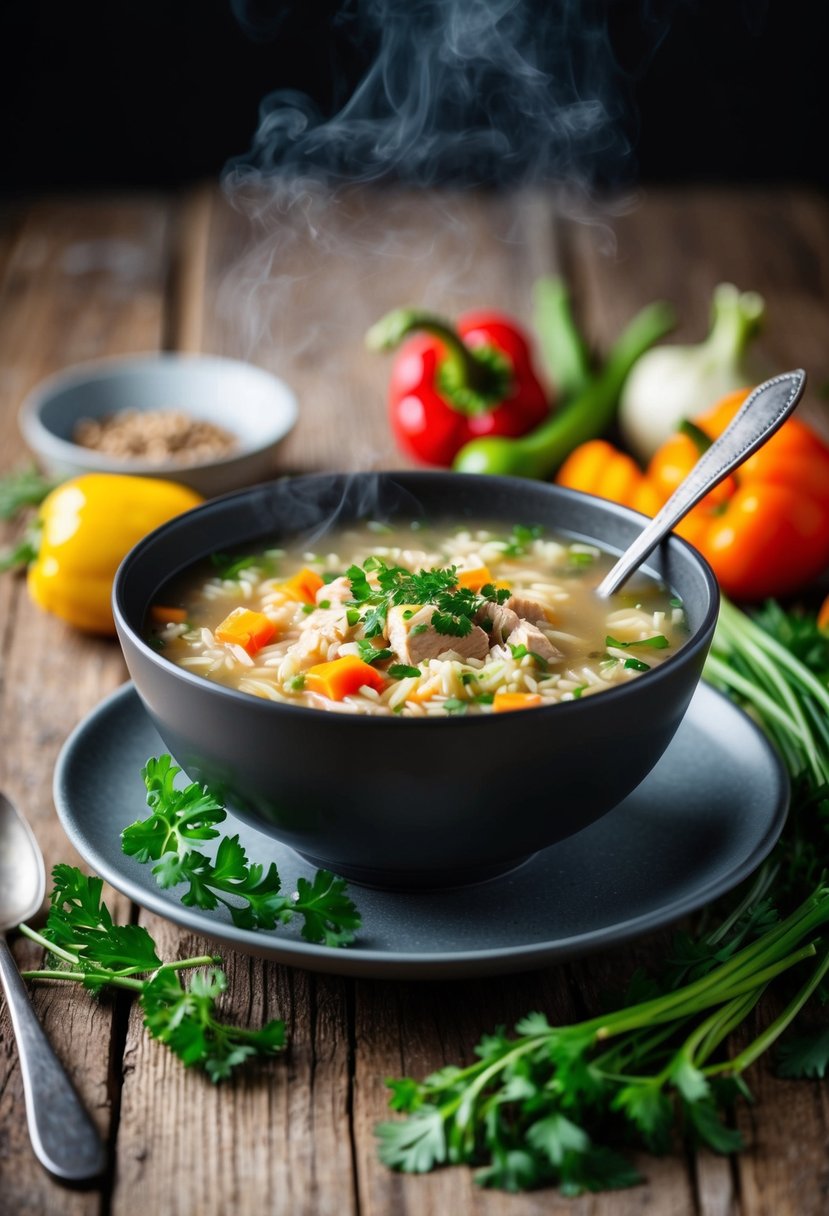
x=157, y=436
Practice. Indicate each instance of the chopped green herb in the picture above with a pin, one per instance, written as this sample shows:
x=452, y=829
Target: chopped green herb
x=328, y=576
x=485, y=698
x=637, y=665
x=521, y=539
x=418, y=629
x=324, y=604
x=369, y=653
x=408, y=613
x=230, y=568
x=658, y=642
x=402, y=671
x=297, y=683
x=578, y=691
x=455, y=706
x=309, y=608
x=352, y=616
x=469, y=677
x=676, y=602
x=521, y=652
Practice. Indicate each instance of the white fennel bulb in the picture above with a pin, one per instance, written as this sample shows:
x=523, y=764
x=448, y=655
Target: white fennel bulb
x=671, y=383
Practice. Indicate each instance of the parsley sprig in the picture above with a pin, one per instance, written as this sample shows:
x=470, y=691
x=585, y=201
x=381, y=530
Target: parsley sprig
x=553, y=1104
x=252, y=894
x=455, y=607
x=549, y=1104
x=89, y=948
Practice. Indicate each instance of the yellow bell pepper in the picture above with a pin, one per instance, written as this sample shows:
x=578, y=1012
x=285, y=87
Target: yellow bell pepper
x=87, y=525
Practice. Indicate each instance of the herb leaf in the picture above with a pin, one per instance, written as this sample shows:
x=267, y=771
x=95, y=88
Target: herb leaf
x=251, y=893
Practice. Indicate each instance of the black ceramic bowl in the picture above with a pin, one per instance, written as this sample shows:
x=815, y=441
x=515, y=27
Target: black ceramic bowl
x=405, y=802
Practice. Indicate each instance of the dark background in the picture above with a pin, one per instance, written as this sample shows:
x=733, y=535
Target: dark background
x=159, y=93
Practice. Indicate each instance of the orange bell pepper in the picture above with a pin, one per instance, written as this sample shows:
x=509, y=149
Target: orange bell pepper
x=764, y=529
x=596, y=467
x=341, y=677
x=246, y=628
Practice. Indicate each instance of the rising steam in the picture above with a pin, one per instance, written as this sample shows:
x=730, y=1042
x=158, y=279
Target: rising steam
x=457, y=94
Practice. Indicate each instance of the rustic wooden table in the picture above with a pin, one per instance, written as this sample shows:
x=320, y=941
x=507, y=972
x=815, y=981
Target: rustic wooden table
x=82, y=278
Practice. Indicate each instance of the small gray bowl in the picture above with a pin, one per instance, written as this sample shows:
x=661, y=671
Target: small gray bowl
x=248, y=401
x=410, y=802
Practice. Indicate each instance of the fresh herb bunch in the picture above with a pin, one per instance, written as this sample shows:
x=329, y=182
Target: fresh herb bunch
x=90, y=949
x=181, y=818
x=555, y=1104
x=455, y=607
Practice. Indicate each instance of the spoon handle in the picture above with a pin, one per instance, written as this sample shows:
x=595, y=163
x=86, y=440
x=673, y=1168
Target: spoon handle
x=763, y=411
x=63, y=1136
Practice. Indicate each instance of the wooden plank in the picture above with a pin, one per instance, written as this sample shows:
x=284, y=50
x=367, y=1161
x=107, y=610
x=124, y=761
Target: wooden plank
x=679, y=247
x=82, y=279
x=296, y=291
x=272, y=1139
x=276, y=1138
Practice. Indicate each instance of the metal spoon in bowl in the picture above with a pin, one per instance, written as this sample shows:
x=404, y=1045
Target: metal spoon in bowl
x=761, y=414
x=63, y=1136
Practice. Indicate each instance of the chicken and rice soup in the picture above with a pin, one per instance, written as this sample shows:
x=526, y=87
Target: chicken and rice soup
x=418, y=621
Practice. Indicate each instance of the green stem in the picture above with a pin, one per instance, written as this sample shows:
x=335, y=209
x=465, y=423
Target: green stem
x=540, y=453
x=561, y=344
x=464, y=367
x=58, y=951
x=776, y=1028
x=735, y=319
x=79, y=977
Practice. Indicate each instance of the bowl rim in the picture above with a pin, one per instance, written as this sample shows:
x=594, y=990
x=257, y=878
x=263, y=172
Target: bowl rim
x=381, y=721
x=43, y=441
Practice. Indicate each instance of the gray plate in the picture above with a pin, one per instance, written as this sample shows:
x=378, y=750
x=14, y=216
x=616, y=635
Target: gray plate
x=704, y=818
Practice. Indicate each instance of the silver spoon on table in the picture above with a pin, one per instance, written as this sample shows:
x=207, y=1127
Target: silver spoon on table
x=761, y=414
x=63, y=1136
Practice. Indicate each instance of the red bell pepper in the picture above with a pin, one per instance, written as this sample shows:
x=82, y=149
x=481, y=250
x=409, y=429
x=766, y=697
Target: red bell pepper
x=450, y=384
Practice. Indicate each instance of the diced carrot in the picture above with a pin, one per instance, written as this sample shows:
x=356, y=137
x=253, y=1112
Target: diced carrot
x=246, y=628
x=506, y=702
x=162, y=614
x=475, y=579
x=303, y=585
x=341, y=677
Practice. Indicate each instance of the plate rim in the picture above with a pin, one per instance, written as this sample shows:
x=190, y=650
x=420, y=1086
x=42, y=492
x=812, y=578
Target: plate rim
x=363, y=962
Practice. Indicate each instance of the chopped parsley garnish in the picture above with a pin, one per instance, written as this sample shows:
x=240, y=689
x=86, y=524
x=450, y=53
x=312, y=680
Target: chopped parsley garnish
x=402, y=671
x=230, y=568
x=637, y=665
x=352, y=616
x=521, y=539
x=296, y=683
x=676, y=602
x=455, y=607
x=324, y=604
x=658, y=642
x=455, y=706
x=578, y=691
x=521, y=652
x=468, y=677
x=485, y=698
x=369, y=653
x=308, y=608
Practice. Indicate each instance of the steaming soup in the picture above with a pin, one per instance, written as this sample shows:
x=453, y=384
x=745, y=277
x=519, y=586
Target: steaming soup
x=417, y=621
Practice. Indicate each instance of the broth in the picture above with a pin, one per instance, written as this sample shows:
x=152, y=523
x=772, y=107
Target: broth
x=417, y=620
